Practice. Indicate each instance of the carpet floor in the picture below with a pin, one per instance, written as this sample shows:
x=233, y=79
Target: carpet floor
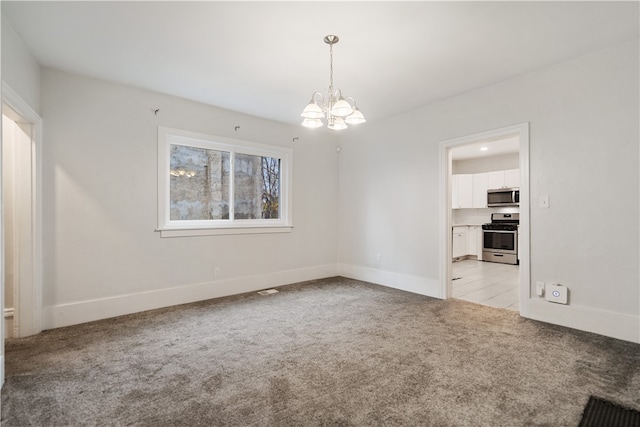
x=332, y=352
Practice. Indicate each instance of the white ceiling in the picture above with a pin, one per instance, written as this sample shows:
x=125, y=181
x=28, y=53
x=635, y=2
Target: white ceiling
x=266, y=58
x=487, y=148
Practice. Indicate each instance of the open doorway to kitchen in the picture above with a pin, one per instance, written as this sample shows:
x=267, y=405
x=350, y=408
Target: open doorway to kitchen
x=21, y=200
x=485, y=208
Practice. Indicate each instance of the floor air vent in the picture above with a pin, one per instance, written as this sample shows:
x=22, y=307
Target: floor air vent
x=268, y=292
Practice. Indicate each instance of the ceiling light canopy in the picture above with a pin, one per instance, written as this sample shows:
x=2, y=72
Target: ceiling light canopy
x=339, y=110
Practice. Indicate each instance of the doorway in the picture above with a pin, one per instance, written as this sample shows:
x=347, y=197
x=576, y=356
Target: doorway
x=465, y=275
x=21, y=200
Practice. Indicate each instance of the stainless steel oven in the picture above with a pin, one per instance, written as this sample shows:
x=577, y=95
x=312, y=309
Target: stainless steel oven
x=500, y=238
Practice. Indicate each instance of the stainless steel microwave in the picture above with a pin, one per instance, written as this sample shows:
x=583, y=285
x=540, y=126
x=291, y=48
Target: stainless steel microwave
x=503, y=197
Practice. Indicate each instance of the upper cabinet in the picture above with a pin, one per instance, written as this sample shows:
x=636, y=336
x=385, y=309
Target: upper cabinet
x=504, y=179
x=462, y=191
x=512, y=178
x=480, y=187
x=470, y=190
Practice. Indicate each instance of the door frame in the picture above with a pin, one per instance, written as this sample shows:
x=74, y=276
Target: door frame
x=28, y=304
x=522, y=132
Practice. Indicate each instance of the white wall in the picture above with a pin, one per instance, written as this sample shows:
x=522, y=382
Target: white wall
x=20, y=70
x=102, y=256
x=584, y=154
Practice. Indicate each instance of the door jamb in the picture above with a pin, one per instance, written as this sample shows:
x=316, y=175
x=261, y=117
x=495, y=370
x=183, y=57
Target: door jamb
x=29, y=312
x=522, y=131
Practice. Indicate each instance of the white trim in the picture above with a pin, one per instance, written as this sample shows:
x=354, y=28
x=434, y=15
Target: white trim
x=103, y=308
x=522, y=132
x=28, y=318
x=404, y=282
x=9, y=323
x=223, y=231
x=172, y=228
x=608, y=323
x=524, y=248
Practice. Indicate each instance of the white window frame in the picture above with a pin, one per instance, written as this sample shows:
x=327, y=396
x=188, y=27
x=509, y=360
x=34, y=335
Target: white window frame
x=180, y=228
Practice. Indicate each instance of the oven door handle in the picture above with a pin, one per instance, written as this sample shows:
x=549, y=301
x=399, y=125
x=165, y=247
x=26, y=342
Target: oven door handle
x=499, y=231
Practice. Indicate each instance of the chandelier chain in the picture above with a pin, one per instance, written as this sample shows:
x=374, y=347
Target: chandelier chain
x=330, y=70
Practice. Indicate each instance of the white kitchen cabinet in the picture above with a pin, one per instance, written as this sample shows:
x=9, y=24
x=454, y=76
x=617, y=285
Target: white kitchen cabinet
x=459, y=241
x=467, y=240
x=480, y=187
x=454, y=191
x=504, y=179
x=496, y=179
x=512, y=178
x=461, y=191
x=472, y=240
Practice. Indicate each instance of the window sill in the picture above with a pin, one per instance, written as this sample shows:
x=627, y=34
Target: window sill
x=191, y=232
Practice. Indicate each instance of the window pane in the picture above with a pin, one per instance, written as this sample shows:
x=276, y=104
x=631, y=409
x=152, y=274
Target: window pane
x=256, y=187
x=199, y=183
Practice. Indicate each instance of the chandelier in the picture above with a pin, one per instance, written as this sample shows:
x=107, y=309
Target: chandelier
x=338, y=110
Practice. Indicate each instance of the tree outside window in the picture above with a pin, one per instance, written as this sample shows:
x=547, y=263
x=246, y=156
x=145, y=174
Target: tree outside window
x=214, y=182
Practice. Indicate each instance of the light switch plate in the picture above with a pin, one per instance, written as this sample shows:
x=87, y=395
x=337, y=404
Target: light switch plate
x=556, y=293
x=543, y=201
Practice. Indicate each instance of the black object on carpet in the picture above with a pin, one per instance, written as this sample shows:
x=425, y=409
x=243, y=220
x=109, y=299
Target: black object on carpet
x=602, y=413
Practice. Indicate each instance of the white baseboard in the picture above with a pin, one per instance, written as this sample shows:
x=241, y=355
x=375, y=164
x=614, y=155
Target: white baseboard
x=1, y=371
x=103, y=308
x=608, y=323
x=8, y=323
x=404, y=282
x=616, y=325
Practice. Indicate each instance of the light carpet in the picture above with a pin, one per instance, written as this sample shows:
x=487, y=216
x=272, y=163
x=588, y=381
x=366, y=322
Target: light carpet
x=333, y=352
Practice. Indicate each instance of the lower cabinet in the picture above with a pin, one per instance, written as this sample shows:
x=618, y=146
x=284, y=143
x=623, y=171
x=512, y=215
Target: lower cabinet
x=472, y=240
x=467, y=240
x=459, y=241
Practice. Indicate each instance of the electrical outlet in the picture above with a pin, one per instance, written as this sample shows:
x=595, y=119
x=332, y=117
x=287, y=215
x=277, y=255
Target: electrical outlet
x=379, y=257
x=557, y=293
x=216, y=271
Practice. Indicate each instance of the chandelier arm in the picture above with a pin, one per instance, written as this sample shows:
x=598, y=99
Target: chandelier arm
x=318, y=98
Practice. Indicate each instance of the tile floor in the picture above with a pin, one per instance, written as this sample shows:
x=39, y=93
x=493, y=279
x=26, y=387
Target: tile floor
x=487, y=283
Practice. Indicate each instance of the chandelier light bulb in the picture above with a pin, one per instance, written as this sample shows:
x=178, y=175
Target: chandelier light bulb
x=341, y=108
x=337, y=124
x=355, y=118
x=312, y=123
x=312, y=111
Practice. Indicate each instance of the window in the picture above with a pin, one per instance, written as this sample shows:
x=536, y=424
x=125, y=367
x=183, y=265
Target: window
x=215, y=185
